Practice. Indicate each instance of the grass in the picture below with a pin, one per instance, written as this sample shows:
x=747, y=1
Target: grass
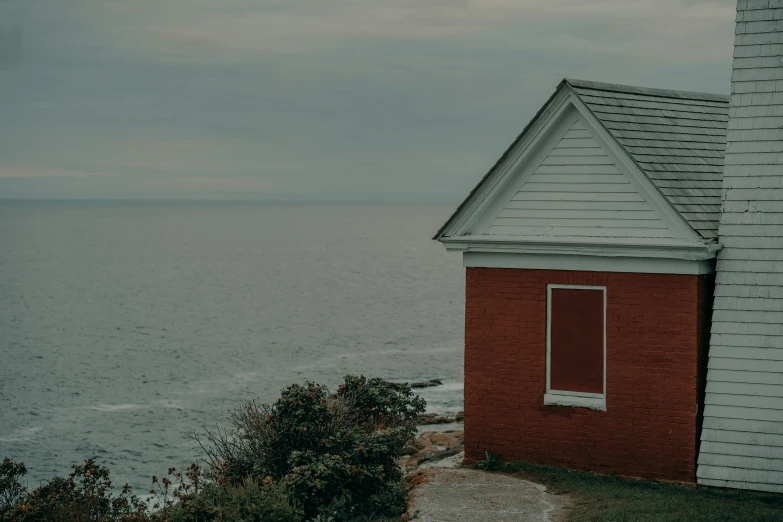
x=603, y=498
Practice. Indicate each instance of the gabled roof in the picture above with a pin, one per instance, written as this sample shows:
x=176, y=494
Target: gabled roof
x=676, y=138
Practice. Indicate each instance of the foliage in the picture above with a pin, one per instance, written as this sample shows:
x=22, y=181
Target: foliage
x=387, y=505
x=491, y=462
x=312, y=455
x=84, y=495
x=247, y=501
x=608, y=498
x=326, y=449
x=11, y=490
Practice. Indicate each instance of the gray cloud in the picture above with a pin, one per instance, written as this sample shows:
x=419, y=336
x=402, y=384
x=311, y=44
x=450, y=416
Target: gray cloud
x=305, y=99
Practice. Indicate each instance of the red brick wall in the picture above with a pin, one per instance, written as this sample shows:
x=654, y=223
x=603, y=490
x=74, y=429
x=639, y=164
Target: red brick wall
x=656, y=350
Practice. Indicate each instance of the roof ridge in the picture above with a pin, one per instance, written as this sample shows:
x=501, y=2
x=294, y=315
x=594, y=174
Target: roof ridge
x=648, y=91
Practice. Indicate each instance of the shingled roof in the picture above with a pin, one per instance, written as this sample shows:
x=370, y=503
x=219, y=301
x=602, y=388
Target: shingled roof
x=676, y=138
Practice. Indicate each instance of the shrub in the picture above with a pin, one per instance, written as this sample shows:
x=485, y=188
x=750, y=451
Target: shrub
x=11, y=490
x=196, y=498
x=84, y=495
x=310, y=455
x=491, y=462
x=336, y=450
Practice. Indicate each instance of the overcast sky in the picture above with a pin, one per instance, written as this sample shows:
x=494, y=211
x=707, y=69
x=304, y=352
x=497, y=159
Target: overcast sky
x=375, y=100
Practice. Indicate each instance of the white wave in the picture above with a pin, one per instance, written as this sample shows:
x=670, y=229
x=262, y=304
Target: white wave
x=23, y=435
x=117, y=407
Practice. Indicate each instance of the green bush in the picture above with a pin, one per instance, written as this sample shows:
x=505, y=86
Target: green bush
x=11, y=490
x=85, y=495
x=310, y=455
x=248, y=501
x=328, y=449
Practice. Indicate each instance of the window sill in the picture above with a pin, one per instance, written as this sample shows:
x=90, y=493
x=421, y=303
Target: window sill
x=575, y=400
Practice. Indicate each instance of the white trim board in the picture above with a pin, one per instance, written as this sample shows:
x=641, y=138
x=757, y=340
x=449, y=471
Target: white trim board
x=584, y=263
x=525, y=156
x=594, y=401
x=497, y=216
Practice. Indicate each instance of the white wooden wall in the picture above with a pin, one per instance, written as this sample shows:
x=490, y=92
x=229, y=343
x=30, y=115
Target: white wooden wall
x=578, y=191
x=742, y=439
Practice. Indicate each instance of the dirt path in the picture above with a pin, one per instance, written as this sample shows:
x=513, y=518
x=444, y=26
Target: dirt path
x=465, y=495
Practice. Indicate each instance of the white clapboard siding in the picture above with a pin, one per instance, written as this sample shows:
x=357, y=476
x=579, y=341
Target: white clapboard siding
x=742, y=413
x=742, y=390
x=578, y=191
x=767, y=486
x=745, y=477
x=737, y=377
x=742, y=436
x=770, y=433
x=752, y=366
x=743, y=450
x=763, y=463
x=745, y=395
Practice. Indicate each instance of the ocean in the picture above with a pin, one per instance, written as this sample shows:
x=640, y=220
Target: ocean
x=126, y=325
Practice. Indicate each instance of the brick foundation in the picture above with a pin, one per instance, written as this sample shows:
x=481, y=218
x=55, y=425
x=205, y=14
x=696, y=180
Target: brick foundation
x=657, y=337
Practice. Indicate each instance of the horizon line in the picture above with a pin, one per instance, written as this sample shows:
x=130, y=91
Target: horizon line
x=238, y=200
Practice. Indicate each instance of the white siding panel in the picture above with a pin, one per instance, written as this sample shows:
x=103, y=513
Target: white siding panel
x=735, y=484
x=743, y=389
x=541, y=184
x=742, y=413
x=743, y=431
x=744, y=450
x=756, y=476
x=576, y=205
x=514, y=229
x=720, y=351
x=736, y=377
x=590, y=170
x=578, y=191
x=575, y=133
x=753, y=292
x=745, y=365
x=717, y=396
x=742, y=461
x=578, y=196
x=582, y=152
x=742, y=436
x=577, y=159
x=598, y=176
x=602, y=214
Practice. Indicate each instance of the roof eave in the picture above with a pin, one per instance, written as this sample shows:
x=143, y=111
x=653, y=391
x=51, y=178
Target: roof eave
x=599, y=247
x=570, y=85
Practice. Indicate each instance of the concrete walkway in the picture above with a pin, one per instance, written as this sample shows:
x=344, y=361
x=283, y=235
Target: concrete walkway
x=466, y=495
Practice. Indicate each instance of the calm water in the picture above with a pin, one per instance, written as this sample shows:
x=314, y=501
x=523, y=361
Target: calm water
x=125, y=325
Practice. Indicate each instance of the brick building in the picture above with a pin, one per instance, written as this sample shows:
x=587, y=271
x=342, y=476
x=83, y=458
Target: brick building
x=624, y=287
x=590, y=252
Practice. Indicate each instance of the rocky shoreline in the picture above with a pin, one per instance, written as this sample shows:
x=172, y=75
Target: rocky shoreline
x=433, y=446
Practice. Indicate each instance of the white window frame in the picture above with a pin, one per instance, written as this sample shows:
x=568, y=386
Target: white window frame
x=595, y=401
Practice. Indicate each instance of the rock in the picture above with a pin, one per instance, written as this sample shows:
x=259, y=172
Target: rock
x=433, y=418
x=410, y=450
x=426, y=384
x=432, y=447
x=449, y=439
x=454, y=461
x=439, y=456
x=460, y=416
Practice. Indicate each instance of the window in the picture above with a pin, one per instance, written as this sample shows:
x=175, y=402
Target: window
x=576, y=346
